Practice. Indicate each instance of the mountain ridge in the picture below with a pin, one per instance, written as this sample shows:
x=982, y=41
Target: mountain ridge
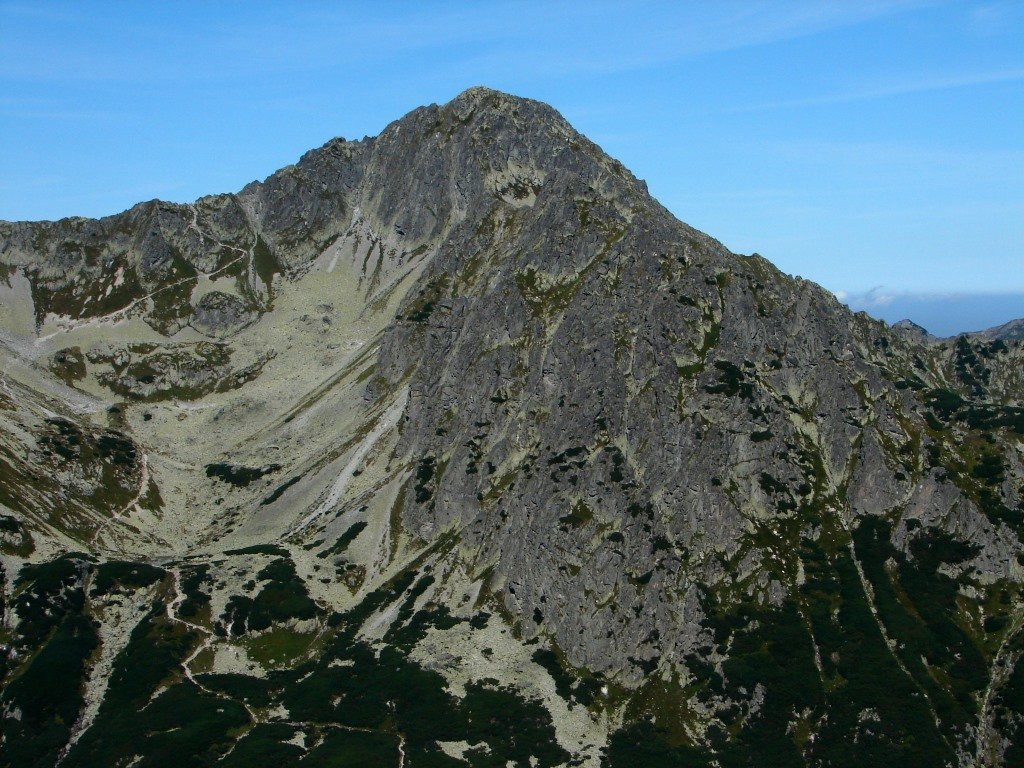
x=1009, y=331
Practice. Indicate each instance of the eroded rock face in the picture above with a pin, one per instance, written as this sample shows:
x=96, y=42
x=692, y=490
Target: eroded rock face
x=64, y=474
x=472, y=405
x=150, y=258
x=220, y=314
x=618, y=415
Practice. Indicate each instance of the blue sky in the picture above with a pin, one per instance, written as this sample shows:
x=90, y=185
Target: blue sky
x=875, y=147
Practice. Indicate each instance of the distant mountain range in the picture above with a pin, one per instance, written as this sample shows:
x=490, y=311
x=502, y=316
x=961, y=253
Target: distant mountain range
x=1011, y=331
x=945, y=315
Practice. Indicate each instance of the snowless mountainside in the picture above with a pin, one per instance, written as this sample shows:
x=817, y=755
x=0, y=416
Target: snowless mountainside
x=453, y=447
x=1011, y=331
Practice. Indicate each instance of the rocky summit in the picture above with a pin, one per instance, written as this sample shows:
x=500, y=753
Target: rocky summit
x=452, y=446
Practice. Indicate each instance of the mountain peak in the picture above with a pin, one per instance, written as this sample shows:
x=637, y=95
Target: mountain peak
x=481, y=95
x=478, y=93
x=1011, y=331
x=479, y=101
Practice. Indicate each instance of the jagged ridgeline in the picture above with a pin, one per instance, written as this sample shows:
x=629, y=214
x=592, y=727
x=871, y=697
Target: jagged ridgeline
x=453, y=447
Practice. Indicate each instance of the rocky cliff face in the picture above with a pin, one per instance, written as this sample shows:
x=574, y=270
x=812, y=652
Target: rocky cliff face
x=452, y=446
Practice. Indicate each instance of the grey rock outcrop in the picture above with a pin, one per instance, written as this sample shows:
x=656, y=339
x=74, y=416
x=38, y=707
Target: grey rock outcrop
x=913, y=330
x=220, y=314
x=1011, y=331
x=608, y=405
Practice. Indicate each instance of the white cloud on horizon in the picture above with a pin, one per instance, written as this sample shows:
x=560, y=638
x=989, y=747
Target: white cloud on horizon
x=880, y=296
x=941, y=313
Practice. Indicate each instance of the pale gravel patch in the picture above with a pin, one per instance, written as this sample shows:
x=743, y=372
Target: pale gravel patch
x=457, y=749
x=232, y=658
x=118, y=616
x=457, y=654
x=387, y=421
x=17, y=315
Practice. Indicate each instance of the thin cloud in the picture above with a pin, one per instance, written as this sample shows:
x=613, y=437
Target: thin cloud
x=875, y=297
x=533, y=35
x=993, y=19
x=654, y=35
x=944, y=313
x=890, y=90
x=881, y=296
x=902, y=160
x=64, y=114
